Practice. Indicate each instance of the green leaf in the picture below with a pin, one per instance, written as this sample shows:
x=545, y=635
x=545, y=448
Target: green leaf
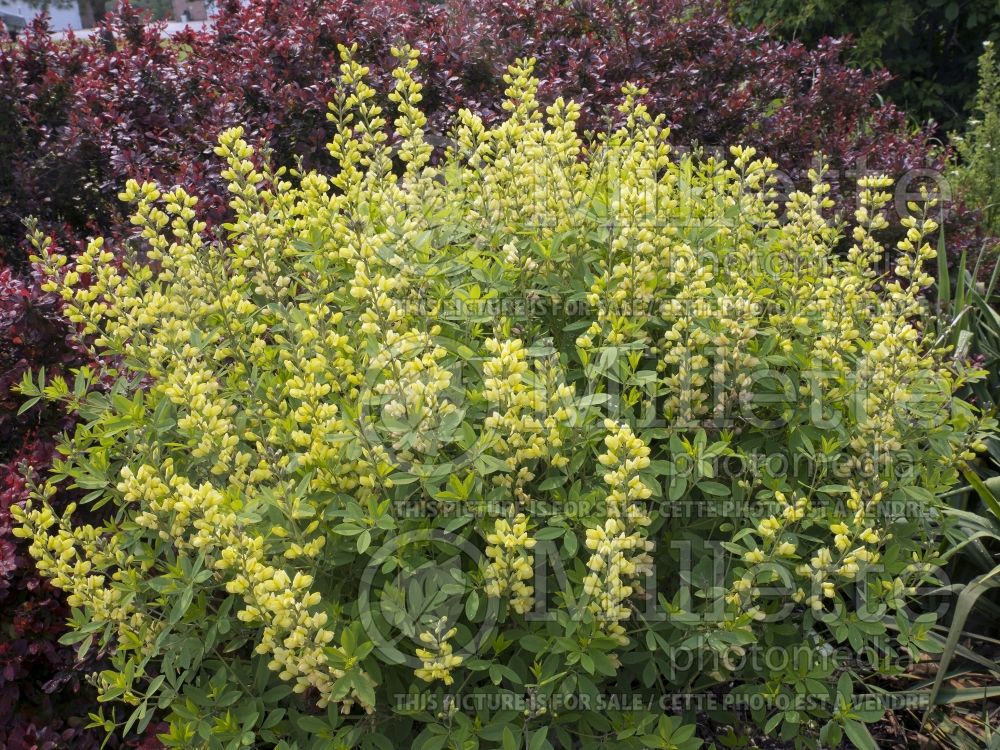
x=552, y=482
x=28, y=404
x=550, y=532
x=432, y=741
x=539, y=740
x=533, y=643
x=313, y=725
x=472, y=605
x=364, y=541
x=595, y=399
x=845, y=688
x=983, y=491
x=716, y=489
x=859, y=735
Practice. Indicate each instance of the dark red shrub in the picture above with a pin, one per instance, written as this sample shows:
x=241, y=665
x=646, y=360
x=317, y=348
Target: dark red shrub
x=77, y=118
x=87, y=116
x=44, y=701
x=45, y=171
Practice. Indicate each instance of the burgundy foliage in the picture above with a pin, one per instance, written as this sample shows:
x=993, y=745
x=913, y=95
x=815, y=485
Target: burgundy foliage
x=77, y=118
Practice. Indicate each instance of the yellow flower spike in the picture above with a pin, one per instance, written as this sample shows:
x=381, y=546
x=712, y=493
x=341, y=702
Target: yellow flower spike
x=438, y=660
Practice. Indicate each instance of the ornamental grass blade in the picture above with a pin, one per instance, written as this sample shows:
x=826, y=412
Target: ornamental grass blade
x=963, y=608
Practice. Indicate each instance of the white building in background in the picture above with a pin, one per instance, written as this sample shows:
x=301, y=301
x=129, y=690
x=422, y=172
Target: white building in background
x=191, y=10
x=62, y=18
x=76, y=15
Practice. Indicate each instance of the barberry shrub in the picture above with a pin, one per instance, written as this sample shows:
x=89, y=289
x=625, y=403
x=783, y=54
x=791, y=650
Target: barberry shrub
x=530, y=447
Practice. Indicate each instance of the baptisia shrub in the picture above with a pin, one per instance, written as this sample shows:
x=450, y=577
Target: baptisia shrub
x=79, y=116
x=467, y=454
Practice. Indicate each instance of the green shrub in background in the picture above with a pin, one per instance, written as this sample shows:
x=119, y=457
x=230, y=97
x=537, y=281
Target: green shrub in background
x=581, y=434
x=977, y=174
x=159, y=10
x=930, y=46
